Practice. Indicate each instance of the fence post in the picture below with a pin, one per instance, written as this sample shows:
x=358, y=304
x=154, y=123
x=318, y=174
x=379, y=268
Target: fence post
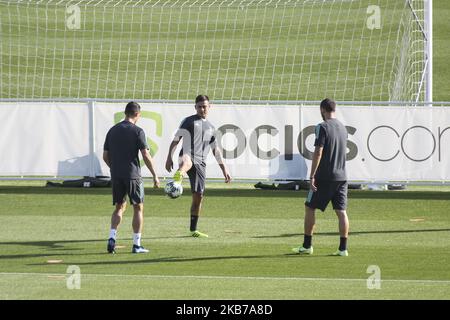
x=91, y=107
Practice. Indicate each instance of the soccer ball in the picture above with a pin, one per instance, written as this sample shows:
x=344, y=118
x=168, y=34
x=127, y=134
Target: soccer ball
x=173, y=189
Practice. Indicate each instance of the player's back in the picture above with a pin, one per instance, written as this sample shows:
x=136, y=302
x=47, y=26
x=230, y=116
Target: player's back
x=123, y=142
x=332, y=165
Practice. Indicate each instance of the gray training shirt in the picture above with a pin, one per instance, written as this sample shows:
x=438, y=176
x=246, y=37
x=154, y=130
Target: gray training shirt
x=123, y=142
x=332, y=136
x=198, y=138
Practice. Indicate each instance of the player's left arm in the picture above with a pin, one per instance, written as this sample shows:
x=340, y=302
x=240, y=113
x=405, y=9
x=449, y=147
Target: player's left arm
x=218, y=155
x=148, y=160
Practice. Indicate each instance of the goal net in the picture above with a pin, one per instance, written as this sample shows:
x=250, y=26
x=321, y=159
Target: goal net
x=259, y=50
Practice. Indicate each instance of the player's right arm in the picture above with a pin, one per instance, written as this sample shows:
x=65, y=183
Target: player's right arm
x=106, y=151
x=181, y=132
x=169, y=161
x=317, y=155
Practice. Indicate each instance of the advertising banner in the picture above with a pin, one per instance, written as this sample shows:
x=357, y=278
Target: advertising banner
x=257, y=141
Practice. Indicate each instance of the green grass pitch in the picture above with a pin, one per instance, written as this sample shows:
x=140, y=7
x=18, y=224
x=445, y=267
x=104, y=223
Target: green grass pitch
x=406, y=234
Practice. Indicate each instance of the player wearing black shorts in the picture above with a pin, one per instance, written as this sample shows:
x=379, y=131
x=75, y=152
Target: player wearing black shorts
x=122, y=145
x=198, y=136
x=328, y=177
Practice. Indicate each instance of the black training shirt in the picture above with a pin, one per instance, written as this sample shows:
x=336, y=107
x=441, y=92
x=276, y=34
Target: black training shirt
x=123, y=142
x=198, y=138
x=332, y=136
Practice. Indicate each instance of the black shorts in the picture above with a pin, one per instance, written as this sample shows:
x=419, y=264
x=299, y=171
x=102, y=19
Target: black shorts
x=134, y=188
x=197, y=178
x=334, y=191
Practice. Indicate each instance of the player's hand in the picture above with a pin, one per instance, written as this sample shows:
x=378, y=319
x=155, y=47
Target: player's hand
x=227, y=177
x=313, y=186
x=155, y=182
x=169, y=164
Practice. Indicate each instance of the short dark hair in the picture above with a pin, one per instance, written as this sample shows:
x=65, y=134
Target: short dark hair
x=328, y=105
x=201, y=98
x=132, y=109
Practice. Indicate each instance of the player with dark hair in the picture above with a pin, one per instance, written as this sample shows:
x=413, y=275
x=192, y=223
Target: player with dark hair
x=328, y=177
x=122, y=144
x=198, y=136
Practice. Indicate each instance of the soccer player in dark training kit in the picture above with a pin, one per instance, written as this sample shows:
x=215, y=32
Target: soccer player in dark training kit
x=328, y=177
x=198, y=136
x=122, y=145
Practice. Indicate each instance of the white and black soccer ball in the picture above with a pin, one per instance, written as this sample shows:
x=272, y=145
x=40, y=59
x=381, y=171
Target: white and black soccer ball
x=173, y=189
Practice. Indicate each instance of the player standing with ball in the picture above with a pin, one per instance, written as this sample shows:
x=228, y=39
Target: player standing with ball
x=198, y=136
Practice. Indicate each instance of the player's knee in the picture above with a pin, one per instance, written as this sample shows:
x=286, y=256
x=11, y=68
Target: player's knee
x=309, y=210
x=185, y=160
x=120, y=207
x=341, y=213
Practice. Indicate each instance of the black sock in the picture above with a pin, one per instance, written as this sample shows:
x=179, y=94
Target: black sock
x=307, y=241
x=343, y=244
x=194, y=220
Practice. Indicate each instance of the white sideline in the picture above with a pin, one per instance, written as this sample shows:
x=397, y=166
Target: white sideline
x=151, y=276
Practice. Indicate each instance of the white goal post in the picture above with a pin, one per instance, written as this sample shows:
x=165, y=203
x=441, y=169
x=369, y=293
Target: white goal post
x=258, y=50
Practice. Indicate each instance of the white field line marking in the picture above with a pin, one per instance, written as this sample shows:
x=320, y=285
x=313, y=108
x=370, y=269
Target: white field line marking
x=154, y=276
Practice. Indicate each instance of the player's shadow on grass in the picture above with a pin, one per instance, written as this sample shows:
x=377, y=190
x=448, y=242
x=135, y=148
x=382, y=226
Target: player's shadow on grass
x=59, y=245
x=36, y=190
x=232, y=193
x=169, y=259
x=32, y=255
x=353, y=233
x=53, y=190
x=56, y=244
x=353, y=194
x=62, y=244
